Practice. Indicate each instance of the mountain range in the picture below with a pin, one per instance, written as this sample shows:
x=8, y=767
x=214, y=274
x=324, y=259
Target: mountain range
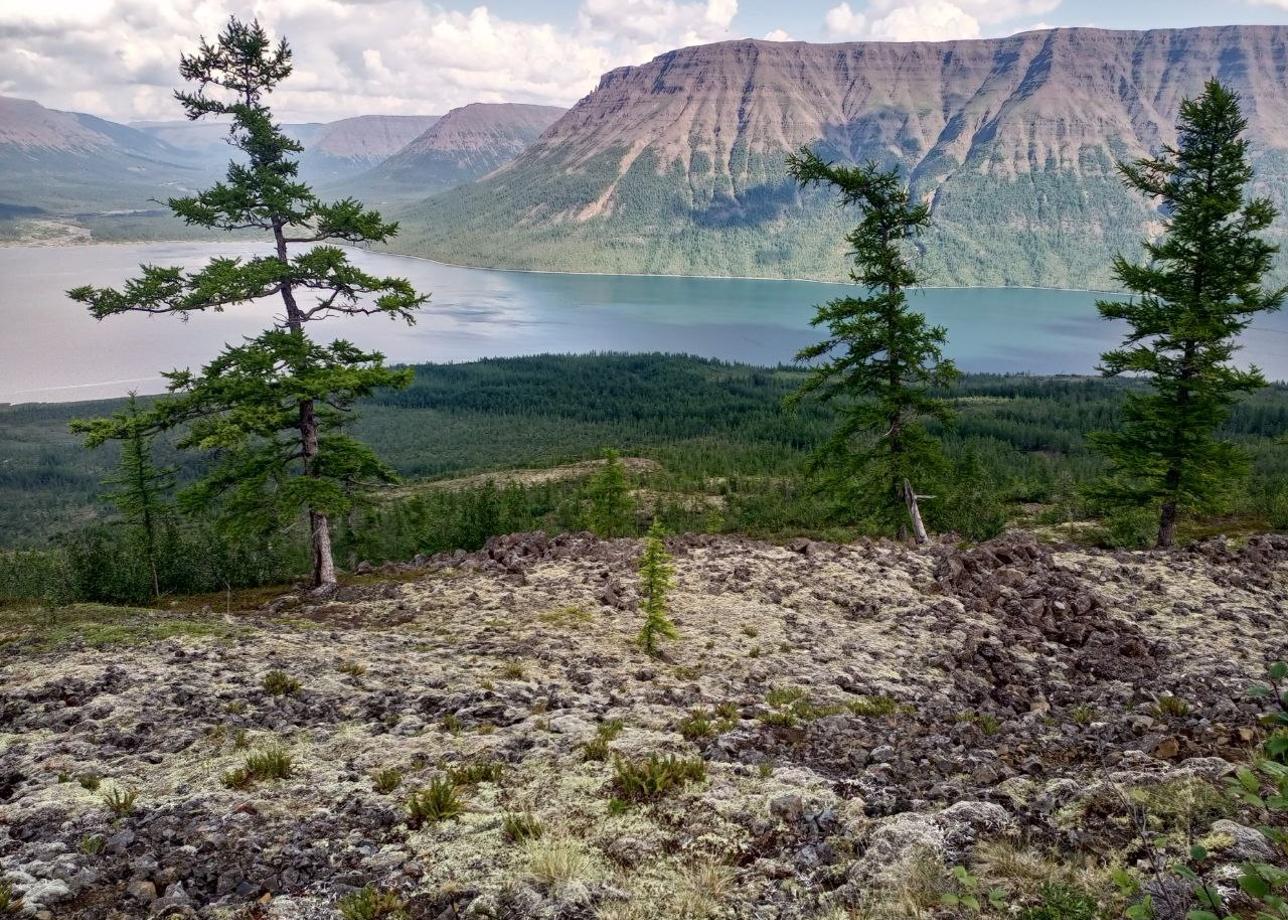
x=677, y=166
x=75, y=166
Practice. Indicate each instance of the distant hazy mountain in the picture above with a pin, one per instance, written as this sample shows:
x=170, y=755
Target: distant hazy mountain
x=677, y=165
x=461, y=146
x=63, y=161
x=332, y=151
x=343, y=149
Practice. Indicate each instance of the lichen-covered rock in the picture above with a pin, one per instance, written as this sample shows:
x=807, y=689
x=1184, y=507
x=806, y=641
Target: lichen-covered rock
x=860, y=710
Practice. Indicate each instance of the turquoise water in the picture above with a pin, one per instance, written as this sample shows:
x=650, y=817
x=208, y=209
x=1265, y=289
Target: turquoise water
x=51, y=350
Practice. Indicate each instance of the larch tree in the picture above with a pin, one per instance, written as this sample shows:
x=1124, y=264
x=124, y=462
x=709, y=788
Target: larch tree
x=657, y=576
x=139, y=488
x=881, y=358
x=270, y=409
x=1199, y=287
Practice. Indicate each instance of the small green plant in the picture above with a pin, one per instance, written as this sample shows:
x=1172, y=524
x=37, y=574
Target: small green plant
x=235, y=707
x=728, y=711
x=279, y=683
x=10, y=903
x=352, y=668
x=969, y=892
x=513, y=669
x=518, y=827
x=92, y=844
x=765, y=769
x=451, y=723
x=696, y=726
x=779, y=697
x=655, y=776
x=873, y=706
x=387, y=780
x=436, y=802
x=89, y=781
x=273, y=763
x=120, y=802
x=1062, y=902
x=471, y=774
x=656, y=579
x=1169, y=706
x=597, y=748
x=1083, y=714
x=750, y=631
x=371, y=903
x=791, y=705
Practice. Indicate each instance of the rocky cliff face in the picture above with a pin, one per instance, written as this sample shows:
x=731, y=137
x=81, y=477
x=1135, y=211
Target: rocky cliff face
x=1006, y=137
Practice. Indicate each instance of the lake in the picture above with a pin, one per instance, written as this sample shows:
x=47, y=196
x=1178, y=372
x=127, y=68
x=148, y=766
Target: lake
x=51, y=350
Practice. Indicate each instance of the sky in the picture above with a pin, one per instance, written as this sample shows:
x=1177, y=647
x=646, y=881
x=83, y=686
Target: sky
x=118, y=58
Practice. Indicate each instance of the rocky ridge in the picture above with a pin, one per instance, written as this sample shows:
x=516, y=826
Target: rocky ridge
x=870, y=715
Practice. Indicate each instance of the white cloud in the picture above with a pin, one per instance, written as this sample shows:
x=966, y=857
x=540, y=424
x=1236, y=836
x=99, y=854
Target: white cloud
x=930, y=20
x=119, y=58
x=843, y=22
x=778, y=35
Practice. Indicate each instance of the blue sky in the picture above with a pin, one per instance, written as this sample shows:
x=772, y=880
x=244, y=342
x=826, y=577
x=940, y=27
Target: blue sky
x=117, y=58
x=804, y=19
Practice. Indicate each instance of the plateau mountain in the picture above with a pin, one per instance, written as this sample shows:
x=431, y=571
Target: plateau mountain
x=677, y=166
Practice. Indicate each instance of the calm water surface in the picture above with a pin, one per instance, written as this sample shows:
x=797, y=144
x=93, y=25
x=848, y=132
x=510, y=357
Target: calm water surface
x=51, y=350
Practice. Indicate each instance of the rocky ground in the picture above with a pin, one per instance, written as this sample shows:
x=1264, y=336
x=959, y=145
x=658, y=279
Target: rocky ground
x=869, y=717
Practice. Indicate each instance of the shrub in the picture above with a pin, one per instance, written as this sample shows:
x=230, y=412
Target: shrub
x=520, y=826
x=1133, y=528
x=92, y=844
x=436, y=802
x=371, y=903
x=655, y=776
x=278, y=683
x=120, y=802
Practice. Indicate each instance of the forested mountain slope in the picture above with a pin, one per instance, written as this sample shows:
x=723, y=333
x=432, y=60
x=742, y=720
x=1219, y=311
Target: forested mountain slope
x=677, y=165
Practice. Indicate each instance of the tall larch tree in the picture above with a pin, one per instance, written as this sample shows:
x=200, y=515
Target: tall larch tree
x=139, y=488
x=270, y=409
x=1199, y=287
x=881, y=360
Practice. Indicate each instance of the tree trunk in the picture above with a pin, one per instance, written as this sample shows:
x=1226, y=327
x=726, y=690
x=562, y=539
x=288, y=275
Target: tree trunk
x=323, y=561
x=1167, y=525
x=914, y=512
x=319, y=525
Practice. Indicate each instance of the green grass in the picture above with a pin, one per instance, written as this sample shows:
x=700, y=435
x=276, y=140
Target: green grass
x=39, y=629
